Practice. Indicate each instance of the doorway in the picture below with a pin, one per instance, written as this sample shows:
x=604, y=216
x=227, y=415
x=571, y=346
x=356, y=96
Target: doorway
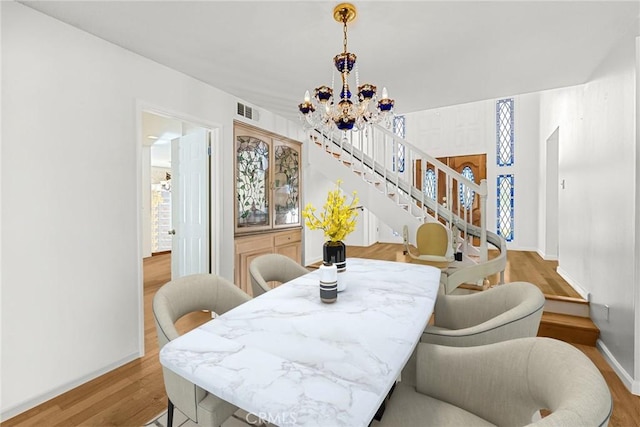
x=176, y=189
x=552, y=214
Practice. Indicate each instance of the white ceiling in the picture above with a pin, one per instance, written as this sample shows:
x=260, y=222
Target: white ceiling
x=427, y=53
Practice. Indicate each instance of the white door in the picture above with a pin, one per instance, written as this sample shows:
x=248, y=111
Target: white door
x=190, y=204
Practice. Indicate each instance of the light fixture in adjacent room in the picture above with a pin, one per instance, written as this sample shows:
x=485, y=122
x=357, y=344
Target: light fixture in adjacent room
x=325, y=110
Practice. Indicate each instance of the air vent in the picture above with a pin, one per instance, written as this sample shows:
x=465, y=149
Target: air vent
x=248, y=112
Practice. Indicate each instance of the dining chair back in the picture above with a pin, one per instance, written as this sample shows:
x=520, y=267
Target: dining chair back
x=272, y=268
x=523, y=382
x=172, y=301
x=501, y=313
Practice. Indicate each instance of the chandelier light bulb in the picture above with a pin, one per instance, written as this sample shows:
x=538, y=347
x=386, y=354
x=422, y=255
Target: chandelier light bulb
x=341, y=112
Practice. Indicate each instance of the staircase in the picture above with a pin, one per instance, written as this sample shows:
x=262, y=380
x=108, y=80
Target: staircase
x=366, y=162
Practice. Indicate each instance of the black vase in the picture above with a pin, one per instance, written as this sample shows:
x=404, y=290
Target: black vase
x=335, y=253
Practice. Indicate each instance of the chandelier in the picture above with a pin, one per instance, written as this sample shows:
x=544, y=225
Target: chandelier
x=324, y=111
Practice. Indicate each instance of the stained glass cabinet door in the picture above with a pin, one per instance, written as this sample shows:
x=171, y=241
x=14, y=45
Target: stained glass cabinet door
x=286, y=184
x=252, y=182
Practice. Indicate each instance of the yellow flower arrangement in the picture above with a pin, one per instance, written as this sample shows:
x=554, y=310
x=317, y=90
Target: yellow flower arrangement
x=338, y=218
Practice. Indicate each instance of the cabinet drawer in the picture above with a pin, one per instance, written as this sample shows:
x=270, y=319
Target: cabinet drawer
x=255, y=243
x=289, y=237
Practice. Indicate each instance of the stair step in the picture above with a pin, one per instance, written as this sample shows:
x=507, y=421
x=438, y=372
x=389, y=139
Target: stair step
x=572, y=329
x=566, y=305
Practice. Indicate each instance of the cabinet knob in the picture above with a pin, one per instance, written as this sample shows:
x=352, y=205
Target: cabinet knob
x=172, y=232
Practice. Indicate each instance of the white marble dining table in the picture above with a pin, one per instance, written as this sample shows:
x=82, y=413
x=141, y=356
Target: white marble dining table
x=290, y=359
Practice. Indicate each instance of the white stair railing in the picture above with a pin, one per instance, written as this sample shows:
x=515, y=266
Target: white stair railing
x=373, y=155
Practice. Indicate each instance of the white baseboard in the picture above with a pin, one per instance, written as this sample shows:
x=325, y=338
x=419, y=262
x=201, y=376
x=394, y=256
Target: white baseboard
x=574, y=284
x=547, y=257
x=511, y=247
x=31, y=403
x=632, y=385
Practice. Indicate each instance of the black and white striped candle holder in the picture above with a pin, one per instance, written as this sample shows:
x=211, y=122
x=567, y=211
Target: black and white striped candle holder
x=328, y=283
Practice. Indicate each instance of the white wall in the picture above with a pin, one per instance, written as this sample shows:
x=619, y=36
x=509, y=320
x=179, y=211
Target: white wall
x=471, y=129
x=596, y=124
x=71, y=252
x=636, y=281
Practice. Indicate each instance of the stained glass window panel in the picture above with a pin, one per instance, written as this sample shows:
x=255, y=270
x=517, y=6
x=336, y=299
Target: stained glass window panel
x=504, y=132
x=465, y=193
x=399, y=129
x=505, y=206
x=429, y=183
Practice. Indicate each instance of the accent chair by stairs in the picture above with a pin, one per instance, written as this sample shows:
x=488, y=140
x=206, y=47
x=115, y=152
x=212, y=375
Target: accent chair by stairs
x=172, y=301
x=502, y=384
x=433, y=242
x=501, y=313
x=272, y=268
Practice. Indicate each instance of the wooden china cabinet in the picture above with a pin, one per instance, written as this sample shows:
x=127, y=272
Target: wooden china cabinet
x=268, y=174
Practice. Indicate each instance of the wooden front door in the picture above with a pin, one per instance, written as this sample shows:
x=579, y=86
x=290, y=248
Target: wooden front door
x=477, y=165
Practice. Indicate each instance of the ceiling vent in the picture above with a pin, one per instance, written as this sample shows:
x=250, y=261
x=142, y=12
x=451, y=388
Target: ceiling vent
x=248, y=112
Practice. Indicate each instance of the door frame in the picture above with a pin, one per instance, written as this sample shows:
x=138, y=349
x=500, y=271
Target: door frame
x=215, y=194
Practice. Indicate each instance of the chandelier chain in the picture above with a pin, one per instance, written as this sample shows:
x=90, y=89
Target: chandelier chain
x=344, y=32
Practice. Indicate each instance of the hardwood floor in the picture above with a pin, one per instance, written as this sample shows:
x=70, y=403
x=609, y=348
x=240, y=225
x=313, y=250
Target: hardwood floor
x=134, y=393
x=521, y=266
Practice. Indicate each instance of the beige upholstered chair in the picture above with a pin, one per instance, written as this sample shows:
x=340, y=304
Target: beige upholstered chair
x=502, y=384
x=433, y=244
x=272, y=268
x=172, y=301
x=508, y=311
